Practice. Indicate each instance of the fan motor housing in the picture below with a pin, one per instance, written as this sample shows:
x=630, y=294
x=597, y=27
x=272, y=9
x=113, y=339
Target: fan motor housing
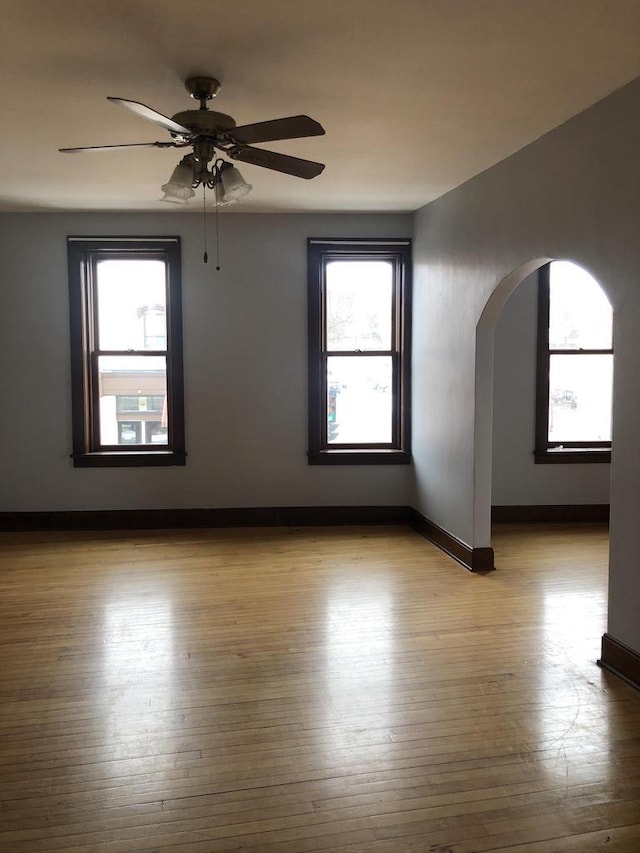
x=204, y=122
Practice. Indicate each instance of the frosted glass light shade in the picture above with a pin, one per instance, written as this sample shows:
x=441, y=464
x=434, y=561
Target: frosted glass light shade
x=234, y=185
x=178, y=189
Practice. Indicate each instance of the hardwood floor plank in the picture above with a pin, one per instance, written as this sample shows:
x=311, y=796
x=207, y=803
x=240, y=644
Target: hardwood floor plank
x=310, y=689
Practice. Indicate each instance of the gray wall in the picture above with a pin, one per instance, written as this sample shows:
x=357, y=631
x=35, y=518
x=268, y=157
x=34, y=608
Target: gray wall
x=516, y=480
x=573, y=194
x=245, y=369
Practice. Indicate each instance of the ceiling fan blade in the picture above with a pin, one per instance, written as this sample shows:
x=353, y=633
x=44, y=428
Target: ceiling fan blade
x=111, y=147
x=156, y=117
x=278, y=162
x=294, y=127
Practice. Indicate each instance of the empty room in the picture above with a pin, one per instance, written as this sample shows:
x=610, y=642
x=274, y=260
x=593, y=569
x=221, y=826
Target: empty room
x=319, y=434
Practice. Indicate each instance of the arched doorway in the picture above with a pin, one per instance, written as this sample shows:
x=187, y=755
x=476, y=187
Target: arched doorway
x=569, y=402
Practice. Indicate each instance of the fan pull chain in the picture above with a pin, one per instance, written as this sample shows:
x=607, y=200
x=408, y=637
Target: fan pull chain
x=217, y=228
x=205, y=257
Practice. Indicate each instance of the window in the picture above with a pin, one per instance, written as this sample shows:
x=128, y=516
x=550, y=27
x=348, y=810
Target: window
x=126, y=351
x=575, y=366
x=359, y=346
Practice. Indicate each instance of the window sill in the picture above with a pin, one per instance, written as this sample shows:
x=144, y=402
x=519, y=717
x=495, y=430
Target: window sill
x=359, y=457
x=571, y=456
x=129, y=459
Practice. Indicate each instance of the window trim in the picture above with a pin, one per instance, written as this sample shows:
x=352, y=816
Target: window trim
x=82, y=253
x=549, y=452
x=319, y=253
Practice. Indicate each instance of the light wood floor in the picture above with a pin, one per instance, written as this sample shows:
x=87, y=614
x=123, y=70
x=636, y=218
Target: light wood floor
x=316, y=689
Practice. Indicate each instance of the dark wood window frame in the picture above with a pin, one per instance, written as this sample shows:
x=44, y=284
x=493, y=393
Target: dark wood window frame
x=319, y=253
x=83, y=253
x=556, y=452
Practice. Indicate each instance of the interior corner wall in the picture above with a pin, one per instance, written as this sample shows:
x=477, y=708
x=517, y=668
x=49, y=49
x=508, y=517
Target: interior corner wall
x=572, y=194
x=516, y=479
x=245, y=357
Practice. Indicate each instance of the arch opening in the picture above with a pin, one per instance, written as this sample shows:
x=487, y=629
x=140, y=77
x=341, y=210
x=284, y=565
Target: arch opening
x=572, y=378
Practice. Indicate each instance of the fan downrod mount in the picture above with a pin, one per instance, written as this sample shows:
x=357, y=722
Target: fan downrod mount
x=202, y=88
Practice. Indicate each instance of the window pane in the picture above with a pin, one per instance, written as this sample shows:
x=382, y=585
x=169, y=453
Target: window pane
x=359, y=400
x=139, y=404
x=129, y=432
x=131, y=304
x=155, y=432
x=580, y=315
x=132, y=399
x=580, y=397
x=359, y=299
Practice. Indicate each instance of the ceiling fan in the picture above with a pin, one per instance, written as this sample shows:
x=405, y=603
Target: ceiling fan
x=205, y=132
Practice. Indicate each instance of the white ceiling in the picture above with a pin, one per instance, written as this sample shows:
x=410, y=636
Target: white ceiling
x=416, y=96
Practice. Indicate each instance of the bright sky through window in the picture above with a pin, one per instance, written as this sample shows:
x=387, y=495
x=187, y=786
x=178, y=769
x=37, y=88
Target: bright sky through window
x=580, y=357
x=580, y=313
x=359, y=319
x=125, y=288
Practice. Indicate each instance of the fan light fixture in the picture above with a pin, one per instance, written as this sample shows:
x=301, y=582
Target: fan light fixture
x=209, y=133
x=178, y=189
x=234, y=185
x=225, y=179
